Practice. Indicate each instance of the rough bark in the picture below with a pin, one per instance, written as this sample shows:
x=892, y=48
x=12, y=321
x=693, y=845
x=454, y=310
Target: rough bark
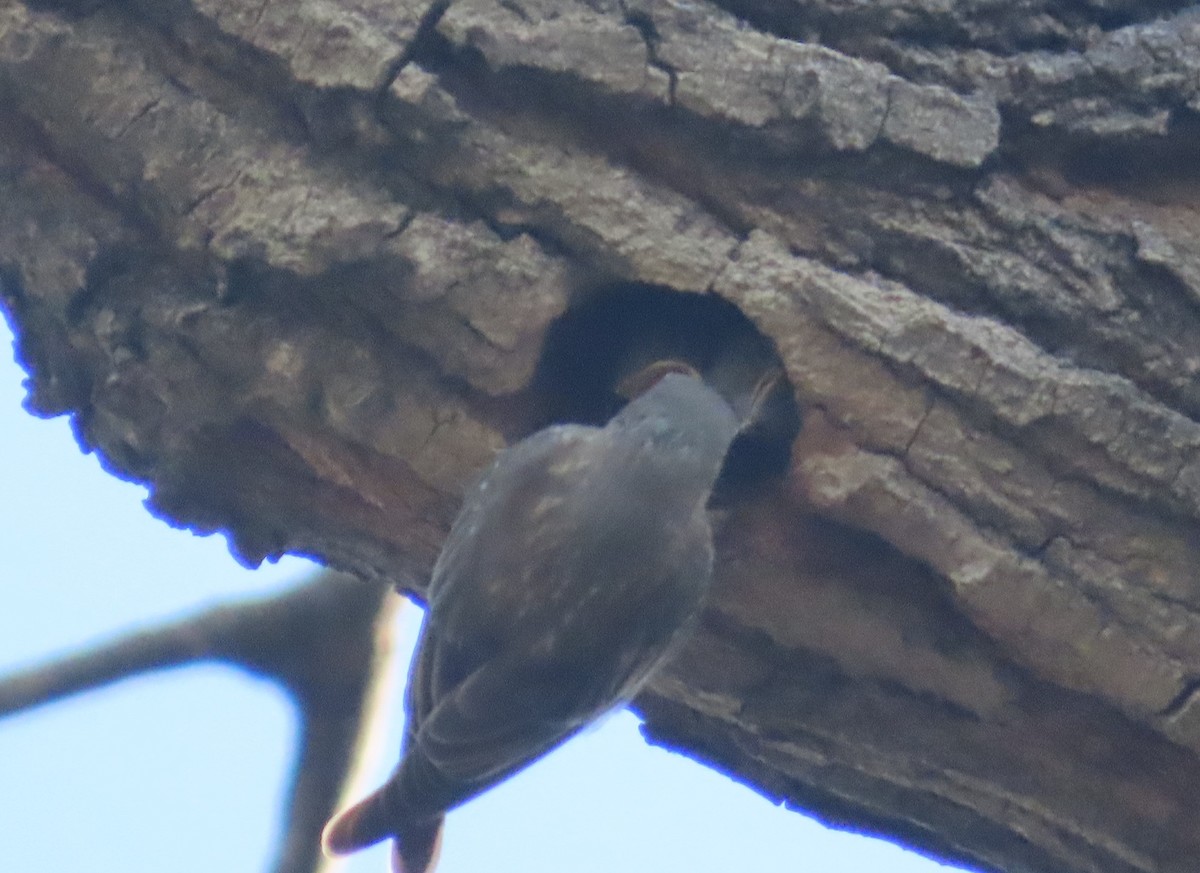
x=304, y=266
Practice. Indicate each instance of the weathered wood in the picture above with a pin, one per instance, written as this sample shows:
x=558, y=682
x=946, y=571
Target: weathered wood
x=305, y=310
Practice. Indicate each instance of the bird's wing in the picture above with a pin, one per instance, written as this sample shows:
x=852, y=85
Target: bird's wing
x=473, y=597
x=510, y=661
x=502, y=717
x=524, y=700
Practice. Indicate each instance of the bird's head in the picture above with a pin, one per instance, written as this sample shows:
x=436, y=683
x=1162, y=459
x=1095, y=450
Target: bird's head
x=679, y=427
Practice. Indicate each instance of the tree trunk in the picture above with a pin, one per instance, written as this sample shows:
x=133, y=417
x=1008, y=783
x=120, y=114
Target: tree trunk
x=304, y=266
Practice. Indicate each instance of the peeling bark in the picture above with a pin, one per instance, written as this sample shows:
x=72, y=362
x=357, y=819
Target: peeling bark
x=298, y=267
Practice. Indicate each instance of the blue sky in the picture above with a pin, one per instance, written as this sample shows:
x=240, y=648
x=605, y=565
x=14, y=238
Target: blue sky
x=184, y=771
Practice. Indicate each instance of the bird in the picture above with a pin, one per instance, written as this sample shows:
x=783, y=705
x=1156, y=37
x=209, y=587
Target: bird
x=578, y=562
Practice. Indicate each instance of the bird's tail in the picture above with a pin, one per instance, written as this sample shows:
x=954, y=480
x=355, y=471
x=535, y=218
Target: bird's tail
x=370, y=820
x=417, y=847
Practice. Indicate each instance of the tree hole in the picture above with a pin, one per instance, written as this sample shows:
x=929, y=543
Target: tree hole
x=619, y=330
